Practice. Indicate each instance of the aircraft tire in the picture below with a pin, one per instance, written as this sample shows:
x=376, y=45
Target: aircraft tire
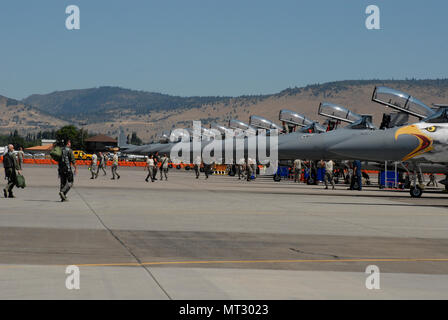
x=416, y=192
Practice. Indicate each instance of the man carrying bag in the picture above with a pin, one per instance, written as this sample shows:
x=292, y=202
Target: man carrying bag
x=12, y=169
x=67, y=160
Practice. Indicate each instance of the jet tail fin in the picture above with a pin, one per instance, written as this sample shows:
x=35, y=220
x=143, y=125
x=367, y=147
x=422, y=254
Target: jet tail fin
x=122, y=139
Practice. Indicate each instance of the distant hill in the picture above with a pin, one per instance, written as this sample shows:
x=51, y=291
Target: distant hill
x=106, y=109
x=101, y=104
x=15, y=115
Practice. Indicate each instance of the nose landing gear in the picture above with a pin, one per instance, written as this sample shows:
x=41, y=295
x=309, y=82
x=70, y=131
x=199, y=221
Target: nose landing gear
x=416, y=191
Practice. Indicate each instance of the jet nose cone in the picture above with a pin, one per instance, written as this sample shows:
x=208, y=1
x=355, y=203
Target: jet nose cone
x=378, y=146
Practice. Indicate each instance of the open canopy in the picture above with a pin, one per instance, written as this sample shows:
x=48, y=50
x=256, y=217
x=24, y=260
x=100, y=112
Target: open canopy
x=294, y=118
x=338, y=112
x=240, y=125
x=164, y=136
x=263, y=123
x=222, y=129
x=402, y=102
x=179, y=135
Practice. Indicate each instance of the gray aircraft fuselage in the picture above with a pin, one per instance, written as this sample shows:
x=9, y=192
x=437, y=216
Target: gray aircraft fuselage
x=418, y=143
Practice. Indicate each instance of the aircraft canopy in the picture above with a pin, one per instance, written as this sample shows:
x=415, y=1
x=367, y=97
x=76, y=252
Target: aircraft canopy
x=243, y=127
x=222, y=129
x=401, y=101
x=164, y=136
x=181, y=134
x=294, y=118
x=338, y=112
x=263, y=123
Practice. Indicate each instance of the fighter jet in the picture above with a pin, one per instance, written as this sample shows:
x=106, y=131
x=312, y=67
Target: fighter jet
x=422, y=142
x=419, y=143
x=396, y=119
x=165, y=139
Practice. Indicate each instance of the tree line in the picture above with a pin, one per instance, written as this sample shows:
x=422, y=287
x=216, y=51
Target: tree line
x=76, y=135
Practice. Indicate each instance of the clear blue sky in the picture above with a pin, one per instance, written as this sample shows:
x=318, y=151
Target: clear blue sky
x=216, y=47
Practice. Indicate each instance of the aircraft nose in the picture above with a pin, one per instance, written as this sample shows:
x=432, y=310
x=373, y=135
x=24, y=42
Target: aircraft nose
x=376, y=148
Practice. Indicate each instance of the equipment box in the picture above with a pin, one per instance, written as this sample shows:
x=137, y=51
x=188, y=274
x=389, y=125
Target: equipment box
x=283, y=171
x=388, y=179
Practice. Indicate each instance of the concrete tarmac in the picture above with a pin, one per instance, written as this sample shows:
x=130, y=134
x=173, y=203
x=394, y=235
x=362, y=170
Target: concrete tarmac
x=220, y=238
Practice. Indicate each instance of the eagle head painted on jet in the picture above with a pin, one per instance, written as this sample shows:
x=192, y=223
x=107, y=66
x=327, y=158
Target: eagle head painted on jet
x=433, y=141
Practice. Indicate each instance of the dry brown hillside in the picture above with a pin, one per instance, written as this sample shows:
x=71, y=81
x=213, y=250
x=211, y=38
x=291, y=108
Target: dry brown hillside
x=14, y=115
x=356, y=95
x=306, y=101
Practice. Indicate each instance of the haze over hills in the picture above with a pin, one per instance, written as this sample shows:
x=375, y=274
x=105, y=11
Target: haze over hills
x=105, y=109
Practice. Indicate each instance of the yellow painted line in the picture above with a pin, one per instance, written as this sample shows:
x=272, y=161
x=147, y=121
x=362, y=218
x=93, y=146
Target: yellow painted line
x=158, y=263
x=259, y=261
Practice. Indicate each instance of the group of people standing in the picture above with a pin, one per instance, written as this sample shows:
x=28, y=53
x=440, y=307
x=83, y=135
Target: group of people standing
x=246, y=169
x=327, y=165
x=155, y=163
x=12, y=162
x=99, y=162
x=355, y=171
x=198, y=163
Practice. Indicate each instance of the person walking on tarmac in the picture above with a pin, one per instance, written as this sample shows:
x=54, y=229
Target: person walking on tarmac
x=253, y=167
x=207, y=168
x=12, y=168
x=156, y=165
x=20, y=157
x=297, y=170
x=240, y=168
x=164, y=167
x=197, y=166
x=65, y=170
x=150, y=168
x=94, y=166
x=248, y=169
x=357, y=175
x=101, y=165
x=329, y=167
x=115, y=166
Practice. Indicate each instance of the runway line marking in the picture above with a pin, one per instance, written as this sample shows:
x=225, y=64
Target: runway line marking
x=260, y=261
x=157, y=263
